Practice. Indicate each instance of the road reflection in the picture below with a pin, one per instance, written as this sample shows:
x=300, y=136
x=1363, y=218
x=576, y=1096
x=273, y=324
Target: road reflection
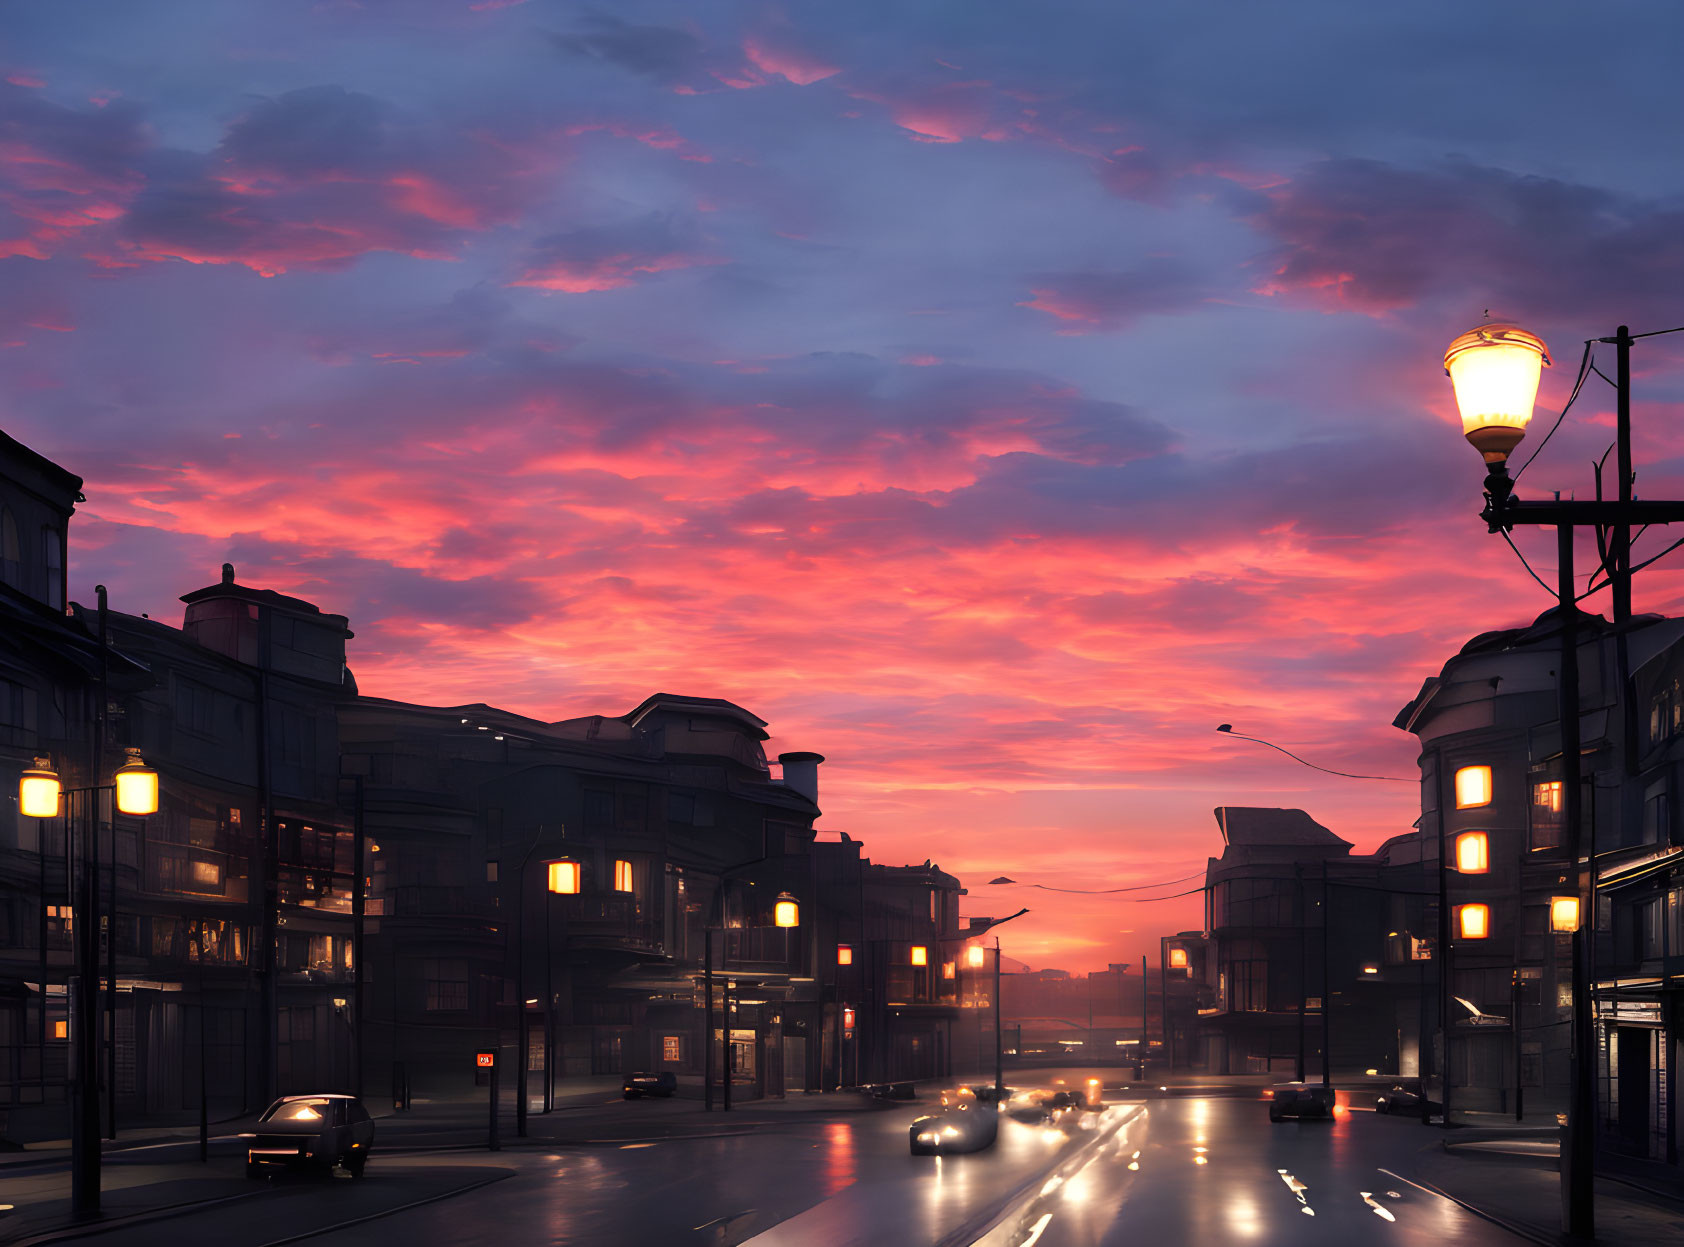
x=841, y=1158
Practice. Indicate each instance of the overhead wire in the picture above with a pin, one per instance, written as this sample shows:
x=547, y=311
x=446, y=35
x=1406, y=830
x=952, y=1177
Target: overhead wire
x=1390, y=779
x=1139, y=887
x=1587, y=362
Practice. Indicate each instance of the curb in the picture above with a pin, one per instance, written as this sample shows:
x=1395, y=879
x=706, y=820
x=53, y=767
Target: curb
x=1520, y=1231
x=89, y=1229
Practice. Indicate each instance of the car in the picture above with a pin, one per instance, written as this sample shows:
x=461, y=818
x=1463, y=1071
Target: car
x=984, y=1093
x=963, y=1128
x=1404, y=1096
x=1300, y=1100
x=641, y=1084
x=311, y=1132
x=1038, y=1105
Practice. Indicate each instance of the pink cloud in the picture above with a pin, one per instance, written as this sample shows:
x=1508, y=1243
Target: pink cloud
x=773, y=56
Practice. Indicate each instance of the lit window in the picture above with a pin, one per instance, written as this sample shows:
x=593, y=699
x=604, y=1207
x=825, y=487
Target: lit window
x=61, y=1030
x=1178, y=959
x=949, y=970
x=1473, y=922
x=1473, y=786
x=672, y=1047
x=920, y=955
x=844, y=955
x=1473, y=855
x=622, y=876
x=974, y=956
x=209, y=874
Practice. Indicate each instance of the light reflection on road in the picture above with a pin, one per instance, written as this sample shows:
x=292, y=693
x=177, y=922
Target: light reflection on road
x=1221, y=1173
x=841, y=1160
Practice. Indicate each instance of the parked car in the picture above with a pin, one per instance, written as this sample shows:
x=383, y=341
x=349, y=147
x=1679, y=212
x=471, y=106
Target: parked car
x=641, y=1084
x=311, y=1132
x=1301, y=1100
x=960, y=1129
x=1404, y=1096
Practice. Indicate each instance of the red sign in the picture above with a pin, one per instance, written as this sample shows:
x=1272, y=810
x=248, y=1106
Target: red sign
x=847, y=1019
x=485, y=1060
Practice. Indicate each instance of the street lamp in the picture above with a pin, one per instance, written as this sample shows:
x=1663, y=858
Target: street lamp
x=1495, y=369
x=564, y=878
x=786, y=913
x=1564, y=914
x=134, y=790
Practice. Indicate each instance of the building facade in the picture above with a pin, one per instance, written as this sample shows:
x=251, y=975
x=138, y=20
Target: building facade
x=1313, y=955
x=1491, y=772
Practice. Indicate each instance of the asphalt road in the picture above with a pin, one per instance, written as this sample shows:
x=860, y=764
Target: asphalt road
x=1216, y=1171
x=1171, y=1171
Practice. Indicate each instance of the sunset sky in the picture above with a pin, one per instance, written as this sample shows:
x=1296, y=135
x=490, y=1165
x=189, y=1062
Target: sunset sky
x=994, y=396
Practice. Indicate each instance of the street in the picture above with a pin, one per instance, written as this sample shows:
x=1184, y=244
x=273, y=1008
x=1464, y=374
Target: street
x=1205, y=1169
x=1216, y=1171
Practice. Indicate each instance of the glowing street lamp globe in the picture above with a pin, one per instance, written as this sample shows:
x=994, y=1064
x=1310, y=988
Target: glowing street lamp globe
x=1495, y=369
x=38, y=790
x=137, y=787
x=786, y=911
x=1564, y=914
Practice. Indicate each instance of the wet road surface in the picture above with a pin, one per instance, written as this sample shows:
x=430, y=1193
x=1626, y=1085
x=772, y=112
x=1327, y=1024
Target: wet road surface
x=1172, y=1171
x=1215, y=1171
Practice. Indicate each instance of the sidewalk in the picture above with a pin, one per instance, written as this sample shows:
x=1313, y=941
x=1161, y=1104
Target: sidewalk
x=1519, y=1187
x=137, y=1185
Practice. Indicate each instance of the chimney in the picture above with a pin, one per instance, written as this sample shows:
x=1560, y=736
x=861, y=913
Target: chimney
x=801, y=773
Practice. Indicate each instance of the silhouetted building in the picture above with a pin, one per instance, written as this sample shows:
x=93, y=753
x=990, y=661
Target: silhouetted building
x=1299, y=927
x=238, y=942
x=675, y=825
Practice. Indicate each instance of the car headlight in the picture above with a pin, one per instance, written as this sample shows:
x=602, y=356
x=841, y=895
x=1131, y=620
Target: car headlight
x=929, y=1136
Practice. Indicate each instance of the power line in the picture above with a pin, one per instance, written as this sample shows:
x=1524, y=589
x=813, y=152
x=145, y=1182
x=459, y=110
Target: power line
x=1139, y=887
x=1228, y=730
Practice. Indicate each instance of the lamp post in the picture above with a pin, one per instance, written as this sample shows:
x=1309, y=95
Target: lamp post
x=972, y=959
x=563, y=877
x=786, y=913
x=134, y=789
x=1495, y=369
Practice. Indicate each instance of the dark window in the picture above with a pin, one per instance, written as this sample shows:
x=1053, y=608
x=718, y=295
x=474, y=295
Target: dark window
x=17, y=714
x=195, y=707
x=446, y=984
x=11, y=559
x=296, y=744
x=1649, y=928
x=52, y=548
x=1656, y=826
x=599, y=808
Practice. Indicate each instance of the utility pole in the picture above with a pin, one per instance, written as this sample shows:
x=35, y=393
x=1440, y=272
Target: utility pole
x=1326, y=987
